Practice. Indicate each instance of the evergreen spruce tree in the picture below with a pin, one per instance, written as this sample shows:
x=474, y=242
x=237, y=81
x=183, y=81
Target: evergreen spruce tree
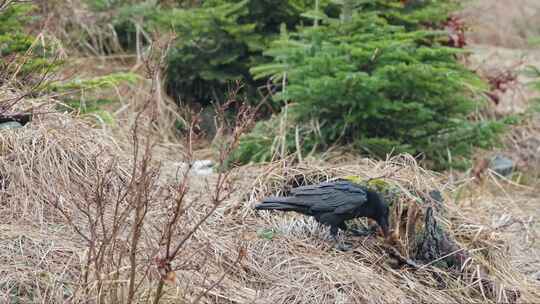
x=371, y=80
x=220, y=41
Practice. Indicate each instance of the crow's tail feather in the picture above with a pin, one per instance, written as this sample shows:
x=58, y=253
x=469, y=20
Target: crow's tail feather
x=280, y=203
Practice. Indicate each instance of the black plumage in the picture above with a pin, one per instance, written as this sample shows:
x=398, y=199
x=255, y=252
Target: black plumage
x=332, y=203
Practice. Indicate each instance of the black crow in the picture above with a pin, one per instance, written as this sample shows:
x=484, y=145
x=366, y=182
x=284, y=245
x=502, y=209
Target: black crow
x=332, y=203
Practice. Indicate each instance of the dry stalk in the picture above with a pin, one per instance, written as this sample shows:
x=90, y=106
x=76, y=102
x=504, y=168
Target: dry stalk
x=219, y=191
x=114, y=214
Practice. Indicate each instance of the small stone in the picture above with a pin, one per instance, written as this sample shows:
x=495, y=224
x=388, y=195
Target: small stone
x=201, y=164
x=502, y=165
x=10, y=125
x=198, y=167
x=203, y=167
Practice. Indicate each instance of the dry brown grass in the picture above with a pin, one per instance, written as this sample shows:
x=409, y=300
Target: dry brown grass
x=502, y=23
x=499, y=36
x=42, y=257
x=366, y=274
x=238, y=255
x=511, y=210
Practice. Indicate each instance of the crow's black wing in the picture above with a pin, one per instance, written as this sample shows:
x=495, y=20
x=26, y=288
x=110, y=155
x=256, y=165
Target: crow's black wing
x=338, y=197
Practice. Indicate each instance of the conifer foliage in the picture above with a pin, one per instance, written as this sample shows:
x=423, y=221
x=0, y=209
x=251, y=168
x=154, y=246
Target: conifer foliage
x=217, y=41
x=380, y=80
x=213, y=48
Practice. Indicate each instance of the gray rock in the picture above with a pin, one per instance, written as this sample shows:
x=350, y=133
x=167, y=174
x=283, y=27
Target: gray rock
x=502, y=165
x=198, y=167
x=203, y=167
x=10, y=125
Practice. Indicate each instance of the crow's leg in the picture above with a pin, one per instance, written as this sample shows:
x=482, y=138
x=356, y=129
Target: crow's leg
x=335, y=222
x=334, y=231
x=340, y=244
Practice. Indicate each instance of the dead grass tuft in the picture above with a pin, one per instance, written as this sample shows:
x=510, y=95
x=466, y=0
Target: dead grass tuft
x=503, y=23
x=290, y=260
x=41, y=256
x=238, y=255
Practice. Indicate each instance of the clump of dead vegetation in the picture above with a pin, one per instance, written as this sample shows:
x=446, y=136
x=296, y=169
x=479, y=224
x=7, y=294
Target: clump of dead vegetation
x=87, y=221
x=476, y=268
x=92, y=220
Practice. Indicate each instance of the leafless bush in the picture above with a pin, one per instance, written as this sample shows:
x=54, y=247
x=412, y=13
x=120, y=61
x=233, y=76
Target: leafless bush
x=138, y=232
